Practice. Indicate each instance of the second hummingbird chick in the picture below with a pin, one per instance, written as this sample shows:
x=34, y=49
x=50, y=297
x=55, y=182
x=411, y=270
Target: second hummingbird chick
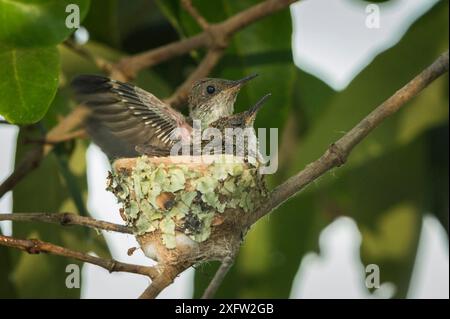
x=225, y=125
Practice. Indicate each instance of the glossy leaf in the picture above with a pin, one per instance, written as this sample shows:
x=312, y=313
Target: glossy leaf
x=36, y=23
x=28, y=82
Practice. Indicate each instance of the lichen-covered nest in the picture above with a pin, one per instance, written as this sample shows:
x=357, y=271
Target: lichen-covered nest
x=186, y=208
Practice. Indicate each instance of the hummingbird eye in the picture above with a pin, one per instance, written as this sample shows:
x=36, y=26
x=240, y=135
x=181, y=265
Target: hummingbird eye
x=210, y=89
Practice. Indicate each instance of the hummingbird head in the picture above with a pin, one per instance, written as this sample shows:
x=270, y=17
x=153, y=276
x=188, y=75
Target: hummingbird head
x=211, y=99
x=243, y=119
x=251, y=113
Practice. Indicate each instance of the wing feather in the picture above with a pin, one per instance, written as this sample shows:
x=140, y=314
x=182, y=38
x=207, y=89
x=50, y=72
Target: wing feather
x=131, y=114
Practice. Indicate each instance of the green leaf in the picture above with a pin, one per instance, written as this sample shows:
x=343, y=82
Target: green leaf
x=31, y=23
x=28, y=82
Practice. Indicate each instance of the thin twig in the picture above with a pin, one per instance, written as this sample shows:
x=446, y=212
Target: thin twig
x=215, y=283
x=337, y=154
x=66, y=219
x=81, y=133
x=189, y=7
x=35, y=246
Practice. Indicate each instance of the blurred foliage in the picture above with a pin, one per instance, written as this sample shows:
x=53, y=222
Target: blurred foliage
x=292, y=231
x=395, y=176
x=61, y=181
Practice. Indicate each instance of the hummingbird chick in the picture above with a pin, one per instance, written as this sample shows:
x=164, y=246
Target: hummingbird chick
x=123, y=116
x=224, y=125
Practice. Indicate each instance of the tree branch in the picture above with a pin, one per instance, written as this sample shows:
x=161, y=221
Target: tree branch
x=164, y=279
x=337, y=154
x=189, y=7
x=212, y=37
x=35, y=246
x=80, y=133
x=219, y=276
x=66, y=219
x=204, y=68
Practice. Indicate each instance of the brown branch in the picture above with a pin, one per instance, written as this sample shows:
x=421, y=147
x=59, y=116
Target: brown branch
x=189, y=7
x=216, y=35
x=35, y=246
x=215, y=283
x=337, y=154
x=164, y=279
x=80, y=133
x=204, y=68
x=66, y=219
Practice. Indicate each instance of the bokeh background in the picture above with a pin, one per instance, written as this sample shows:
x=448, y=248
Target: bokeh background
x=326, y=70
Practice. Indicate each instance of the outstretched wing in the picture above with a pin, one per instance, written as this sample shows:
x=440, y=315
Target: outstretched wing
x=124, y=116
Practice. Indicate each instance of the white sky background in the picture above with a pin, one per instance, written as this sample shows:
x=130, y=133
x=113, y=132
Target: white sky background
x=331, y=41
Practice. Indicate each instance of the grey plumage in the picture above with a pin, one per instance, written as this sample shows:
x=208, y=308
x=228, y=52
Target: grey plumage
x=124, y=118
x=241, y=120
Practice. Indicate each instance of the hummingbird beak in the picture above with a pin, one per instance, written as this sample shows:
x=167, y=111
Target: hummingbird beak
x=239, y=83
x=251, y=113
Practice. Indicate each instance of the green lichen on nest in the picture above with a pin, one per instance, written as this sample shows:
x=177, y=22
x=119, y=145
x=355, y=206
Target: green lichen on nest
x=195, y=196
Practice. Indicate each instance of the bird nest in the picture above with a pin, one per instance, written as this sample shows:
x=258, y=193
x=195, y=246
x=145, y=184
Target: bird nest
x=187, y=209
